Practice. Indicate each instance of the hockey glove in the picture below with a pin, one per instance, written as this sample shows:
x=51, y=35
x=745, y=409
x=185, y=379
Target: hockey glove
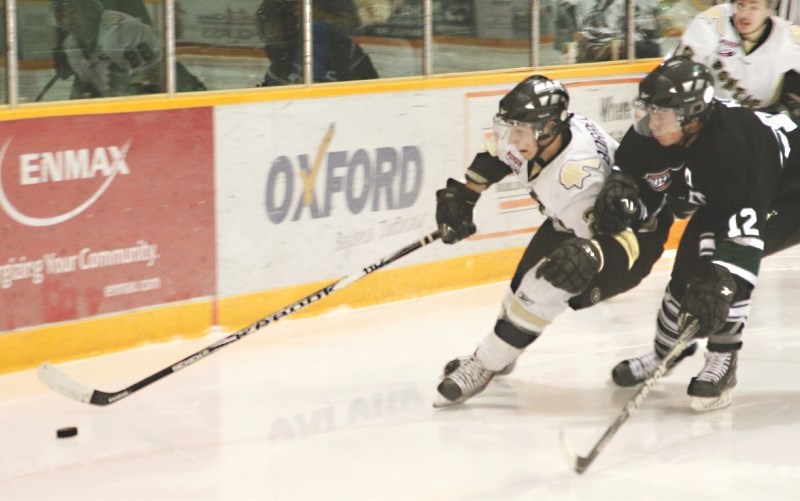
x=572, y=265
x=708, y=297
x=617, y=205
x=454, y=207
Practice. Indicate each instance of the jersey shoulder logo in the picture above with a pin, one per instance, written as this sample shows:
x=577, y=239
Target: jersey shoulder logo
x=715, y=17
x=574, y=172
x=728, y=48
x=796, y=33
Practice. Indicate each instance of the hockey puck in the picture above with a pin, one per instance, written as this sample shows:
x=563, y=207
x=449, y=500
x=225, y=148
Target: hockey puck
x=67, y=432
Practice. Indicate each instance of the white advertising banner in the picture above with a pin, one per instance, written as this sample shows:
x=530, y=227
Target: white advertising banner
x=316, y=189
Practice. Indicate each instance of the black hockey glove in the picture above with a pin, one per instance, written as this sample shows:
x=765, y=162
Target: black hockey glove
x=572, y=265
x=617, y=205
x=708, y=297
x=454, y=206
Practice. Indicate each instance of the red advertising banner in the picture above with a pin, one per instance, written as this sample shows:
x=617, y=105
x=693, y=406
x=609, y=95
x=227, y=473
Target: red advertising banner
x=104, y=213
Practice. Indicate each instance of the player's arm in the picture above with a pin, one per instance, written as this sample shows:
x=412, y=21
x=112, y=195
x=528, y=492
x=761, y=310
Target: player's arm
x=732, y=236
x=146, y=59
x=627, y=199
x=455, y=202
x=349, y=59
x=573, y=264
x=701, y=36
x=789, y=101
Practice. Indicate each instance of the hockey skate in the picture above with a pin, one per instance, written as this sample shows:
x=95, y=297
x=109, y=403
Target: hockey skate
x=464, y=381
x=711, y=388
x=635, y=370
x=458, y=362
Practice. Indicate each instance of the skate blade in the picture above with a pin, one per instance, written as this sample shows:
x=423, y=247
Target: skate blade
x=441, y=401
x=701, y=404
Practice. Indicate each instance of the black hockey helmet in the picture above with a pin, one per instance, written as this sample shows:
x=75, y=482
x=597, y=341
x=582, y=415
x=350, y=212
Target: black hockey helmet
x=681, y=84
x=276, y=21
x=80, y=17
x=537, y=101
x=79, y=5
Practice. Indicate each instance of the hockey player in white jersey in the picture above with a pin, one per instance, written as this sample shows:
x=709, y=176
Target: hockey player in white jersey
x=749, y=52
x=563, y=159
x=111, y=53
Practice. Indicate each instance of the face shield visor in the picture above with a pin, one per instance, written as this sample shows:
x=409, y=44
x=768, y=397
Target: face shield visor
x=519, y=139
x=516, y=141
x=654, y=121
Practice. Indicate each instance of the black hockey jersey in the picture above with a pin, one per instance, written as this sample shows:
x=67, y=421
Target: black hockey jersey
x=738, y=164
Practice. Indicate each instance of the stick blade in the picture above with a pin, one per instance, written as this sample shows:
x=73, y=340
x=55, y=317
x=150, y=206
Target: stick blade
x=577, y=463
x=61, y=383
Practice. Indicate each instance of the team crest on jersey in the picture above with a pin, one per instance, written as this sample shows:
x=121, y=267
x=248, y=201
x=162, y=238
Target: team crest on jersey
x=659, y=181
x=513, y=161
x=796, y=33
x=575, y=172
x=727, y=48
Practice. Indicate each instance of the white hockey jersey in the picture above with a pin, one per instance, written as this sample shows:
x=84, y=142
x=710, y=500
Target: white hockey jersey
x=125, y=47
x=754, y=80
x=567, y=186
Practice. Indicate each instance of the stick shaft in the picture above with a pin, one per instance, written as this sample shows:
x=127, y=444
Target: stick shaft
x=68, y=387
x=47, y=86
x=582, y=463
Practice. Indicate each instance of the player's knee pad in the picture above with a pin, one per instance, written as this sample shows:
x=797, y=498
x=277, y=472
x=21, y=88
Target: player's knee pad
x=535, y=302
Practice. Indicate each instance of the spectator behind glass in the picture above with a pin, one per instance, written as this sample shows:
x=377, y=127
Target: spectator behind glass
x=753, y=55
x=789, y=10
x=603, y=28
x=109, y=53
x=336, y=56
x=185, y=80
x=134, y=8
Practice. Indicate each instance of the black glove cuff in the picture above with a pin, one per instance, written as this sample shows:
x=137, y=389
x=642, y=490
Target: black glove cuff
x=470, y=196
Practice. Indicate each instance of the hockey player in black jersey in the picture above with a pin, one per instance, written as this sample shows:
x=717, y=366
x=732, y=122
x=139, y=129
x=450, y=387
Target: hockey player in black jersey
x=738, y=172
x=562, y=159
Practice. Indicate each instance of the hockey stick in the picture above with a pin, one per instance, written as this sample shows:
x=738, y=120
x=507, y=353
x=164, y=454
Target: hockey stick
x=47, y=87
x=581, y=463
x=65, y=385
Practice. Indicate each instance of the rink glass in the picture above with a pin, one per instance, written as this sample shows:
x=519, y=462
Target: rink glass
x=218, y=41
